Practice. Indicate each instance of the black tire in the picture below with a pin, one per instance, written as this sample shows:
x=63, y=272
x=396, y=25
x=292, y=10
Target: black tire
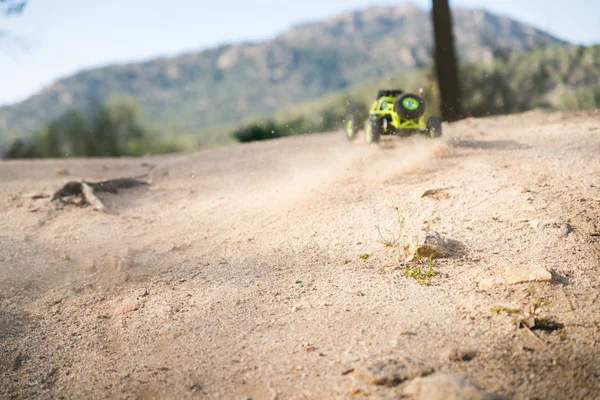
x=434, y=127
x=389, y=93
x=352, y=127
x=373, y=129
x=410, y=106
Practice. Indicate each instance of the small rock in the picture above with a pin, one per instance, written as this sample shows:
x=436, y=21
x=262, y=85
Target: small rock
x=62, y=172
x=17, y=361
x=193, y=386
x=438, y=194
x=518, y=274
x=121, y=263
x=461, y=355
x=391, y=373
x=534, y=224
x=129, y=305
x=560, y=229
x=434, y=244
x=526, y=273
x=446, y=387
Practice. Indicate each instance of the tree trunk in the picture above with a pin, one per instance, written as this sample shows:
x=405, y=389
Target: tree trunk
x=446, y=62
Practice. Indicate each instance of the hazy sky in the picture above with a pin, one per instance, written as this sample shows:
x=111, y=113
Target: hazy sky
x=65, y=36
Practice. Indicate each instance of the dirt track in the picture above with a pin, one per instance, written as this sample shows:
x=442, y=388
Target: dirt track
x=191, y=287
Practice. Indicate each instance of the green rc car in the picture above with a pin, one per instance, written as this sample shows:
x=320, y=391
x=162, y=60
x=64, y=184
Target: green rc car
x=394, y=113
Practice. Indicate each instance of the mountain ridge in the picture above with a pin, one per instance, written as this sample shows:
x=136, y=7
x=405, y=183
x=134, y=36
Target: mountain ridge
x=195, y=90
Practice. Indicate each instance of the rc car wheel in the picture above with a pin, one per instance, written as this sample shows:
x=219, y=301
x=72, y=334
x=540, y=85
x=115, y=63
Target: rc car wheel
x=373, y=130
x=352, y=127
x=434, y=127
x=389, y=93
x=409, y=106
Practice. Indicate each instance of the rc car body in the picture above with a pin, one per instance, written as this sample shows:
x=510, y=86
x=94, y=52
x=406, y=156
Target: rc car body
x=394, y=113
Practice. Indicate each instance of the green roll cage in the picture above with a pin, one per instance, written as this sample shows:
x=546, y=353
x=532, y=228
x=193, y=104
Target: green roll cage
x=384, y=107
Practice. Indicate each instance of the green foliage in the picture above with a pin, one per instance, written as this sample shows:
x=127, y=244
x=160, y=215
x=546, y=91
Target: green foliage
x=270, y=130
x=557, y=78
x=116, y=129
x=112, y=130
x=364, y=256
x=66, y=136
x=529, y=316
x=422, y=276
x=22, y=149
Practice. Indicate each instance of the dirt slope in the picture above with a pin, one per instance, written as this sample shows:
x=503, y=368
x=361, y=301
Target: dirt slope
x=238, y=272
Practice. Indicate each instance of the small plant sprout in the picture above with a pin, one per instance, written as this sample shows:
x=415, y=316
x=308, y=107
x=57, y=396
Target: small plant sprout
x=298, y=282
x=421, y=275
x=364, y=256
x=390, y=239
x=538, y=301
x=528, y=316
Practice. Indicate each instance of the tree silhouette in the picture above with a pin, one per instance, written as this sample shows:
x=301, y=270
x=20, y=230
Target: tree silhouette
x=445, y=61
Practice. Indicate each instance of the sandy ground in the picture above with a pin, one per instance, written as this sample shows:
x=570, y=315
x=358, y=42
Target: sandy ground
x=238, y=273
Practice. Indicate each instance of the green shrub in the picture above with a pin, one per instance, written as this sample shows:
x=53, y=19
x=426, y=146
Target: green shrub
x=112, y=130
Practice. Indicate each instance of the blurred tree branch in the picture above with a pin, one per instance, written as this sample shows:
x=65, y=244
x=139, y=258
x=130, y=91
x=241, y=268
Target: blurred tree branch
x=10, y=8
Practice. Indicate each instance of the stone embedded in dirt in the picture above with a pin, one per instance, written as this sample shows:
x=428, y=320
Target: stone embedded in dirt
x=559, y=228
x=17, y=361
x=534, y=224
x=438, y=194
x=129, y=305
x=461, y=355
x=121, y=263
x=433, y=244
x=310, y=349
x=519, y=274
x=542, y=324
x=526, y=273
x=446, y=387
x=391, y=373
